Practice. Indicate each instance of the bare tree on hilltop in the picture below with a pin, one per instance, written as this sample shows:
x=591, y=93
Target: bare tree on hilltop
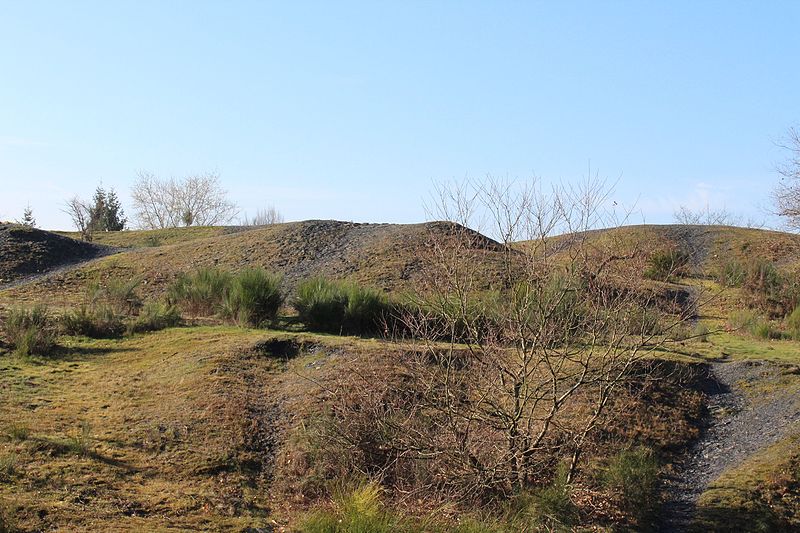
x=264, y=217
x=196, y=200
x=786, y=195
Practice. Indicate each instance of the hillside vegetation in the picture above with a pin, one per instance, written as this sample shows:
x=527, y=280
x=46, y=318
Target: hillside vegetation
x=157, y=404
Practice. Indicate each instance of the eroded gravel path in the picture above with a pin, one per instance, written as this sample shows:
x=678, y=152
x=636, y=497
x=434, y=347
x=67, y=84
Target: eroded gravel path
x=738, y=427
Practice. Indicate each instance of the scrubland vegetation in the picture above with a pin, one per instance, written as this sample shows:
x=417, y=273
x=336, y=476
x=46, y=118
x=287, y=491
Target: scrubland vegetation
x=547, y=382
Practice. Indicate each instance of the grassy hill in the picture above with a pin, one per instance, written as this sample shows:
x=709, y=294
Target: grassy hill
x=386, y=256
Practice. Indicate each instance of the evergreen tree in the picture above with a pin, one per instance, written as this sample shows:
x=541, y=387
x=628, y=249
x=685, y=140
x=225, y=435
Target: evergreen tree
x=27, y=217
x=105, y=212
x=115, y=217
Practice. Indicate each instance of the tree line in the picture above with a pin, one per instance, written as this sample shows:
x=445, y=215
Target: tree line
x=158, y=203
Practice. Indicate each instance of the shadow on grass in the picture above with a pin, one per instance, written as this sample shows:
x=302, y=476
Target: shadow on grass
x=753, y=515
x=77, y=447
x=76, y=353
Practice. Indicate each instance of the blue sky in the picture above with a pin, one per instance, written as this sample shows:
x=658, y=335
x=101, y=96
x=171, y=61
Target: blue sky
x=350, y=110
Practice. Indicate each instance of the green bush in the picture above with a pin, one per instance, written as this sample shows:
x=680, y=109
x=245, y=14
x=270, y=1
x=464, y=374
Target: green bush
x=200, y=293
x=340, y=307
x=633, y=475
x=155, y=316
x=763, y=329
x=97, y=322
x=665, y=265
x=793, y=324
x=732, y=274
x=253, y=298
x=30, y=331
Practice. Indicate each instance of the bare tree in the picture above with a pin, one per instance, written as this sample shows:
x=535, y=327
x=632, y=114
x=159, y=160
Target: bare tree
x=786, y=195
x=264, y=217
x=80, y=214
x=712, y=217
x=196, y=200
x=522, y=344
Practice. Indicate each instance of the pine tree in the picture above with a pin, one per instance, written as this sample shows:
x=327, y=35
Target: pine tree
x=114, y=217
x=27, y=217
x=105, y=213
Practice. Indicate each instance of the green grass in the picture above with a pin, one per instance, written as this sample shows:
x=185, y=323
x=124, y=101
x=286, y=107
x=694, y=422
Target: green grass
x=152, y=238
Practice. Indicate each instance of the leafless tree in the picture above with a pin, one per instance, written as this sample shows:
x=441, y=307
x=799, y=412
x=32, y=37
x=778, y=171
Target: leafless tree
x=713, y=217
x=521, y=344
x=196, y=200
x=786, y=195
x=80, y=214
x=264, y=217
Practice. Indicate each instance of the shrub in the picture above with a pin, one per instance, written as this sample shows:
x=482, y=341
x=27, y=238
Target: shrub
x=357, y=511
x=155, y=316
x=7, y=524
x=253, y=298
x=200, y=293
x=793, y=323
x=18, y=432
x=30, y=331
x=366, y=308
x=320, y=304
x=97, y=322
x=333, y=306
x=8, y=466
x=700, y=332
x=550, y=508
x=732, y=274
x=633, y=476
x=121, y=296
x=762, y=329
x=742, y=319
x=665, y=265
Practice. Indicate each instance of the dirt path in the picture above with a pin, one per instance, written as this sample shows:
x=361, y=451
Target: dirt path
x=737, y=428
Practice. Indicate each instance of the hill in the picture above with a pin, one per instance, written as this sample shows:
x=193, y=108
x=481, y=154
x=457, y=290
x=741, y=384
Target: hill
x=28, y=251
x=386, y=256
x=228, y=428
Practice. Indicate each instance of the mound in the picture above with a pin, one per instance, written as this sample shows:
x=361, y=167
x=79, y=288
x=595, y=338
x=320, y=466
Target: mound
x=28, y=251
x=386, y=256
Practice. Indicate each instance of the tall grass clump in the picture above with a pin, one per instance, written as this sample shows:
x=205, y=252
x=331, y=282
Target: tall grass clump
x=200, y=293
x=732, y=273
x=550, y=508
x=30, y=331
x=155, y=316
x=120, y=294
x=7, y=524
x=97, y=321
x=357, y=511
x=253, y=298
x=633, y=476
x=666, y=265
x=340, y=307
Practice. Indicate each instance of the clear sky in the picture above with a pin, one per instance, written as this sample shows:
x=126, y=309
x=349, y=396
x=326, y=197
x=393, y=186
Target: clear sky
x=350, y=110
